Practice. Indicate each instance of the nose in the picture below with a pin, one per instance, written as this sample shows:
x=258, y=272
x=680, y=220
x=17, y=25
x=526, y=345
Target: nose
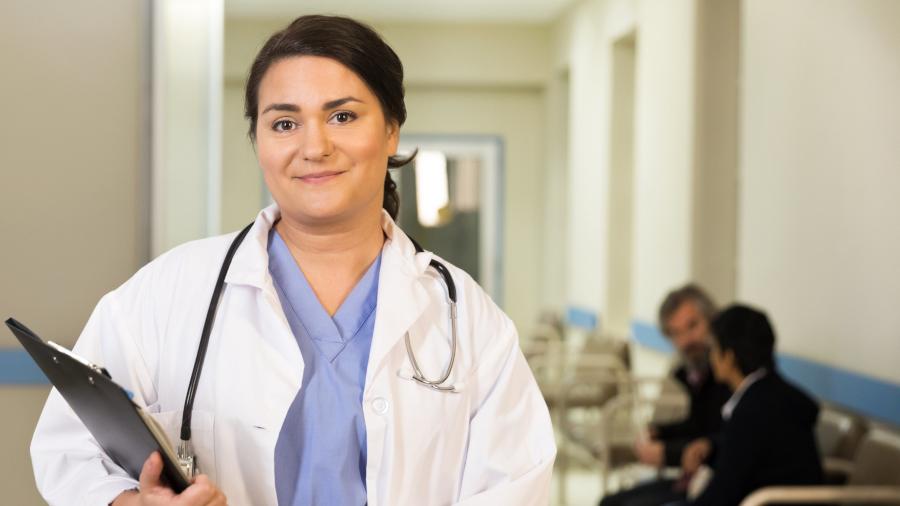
x=316, y=143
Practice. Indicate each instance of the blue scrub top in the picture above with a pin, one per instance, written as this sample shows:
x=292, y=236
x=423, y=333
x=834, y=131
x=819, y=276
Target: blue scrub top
x=320, y=456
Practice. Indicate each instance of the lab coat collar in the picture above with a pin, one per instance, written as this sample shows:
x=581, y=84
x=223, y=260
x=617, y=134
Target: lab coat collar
x=250, y=265
x=401, y=296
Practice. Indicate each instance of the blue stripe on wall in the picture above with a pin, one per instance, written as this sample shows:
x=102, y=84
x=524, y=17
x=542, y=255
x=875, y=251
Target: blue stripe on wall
x=869, y=396
x=649, y=335
x=17, y=368
x=581, y=317
x=873, y=397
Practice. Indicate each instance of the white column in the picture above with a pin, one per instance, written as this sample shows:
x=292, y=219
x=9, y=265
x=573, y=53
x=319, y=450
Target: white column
x=187, y=124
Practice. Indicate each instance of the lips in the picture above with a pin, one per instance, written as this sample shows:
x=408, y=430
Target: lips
x=320, y=177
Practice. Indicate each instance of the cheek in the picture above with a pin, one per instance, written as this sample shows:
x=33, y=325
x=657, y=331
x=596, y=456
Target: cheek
x=369, y=156
x=273, y=156
x=369, y=149
x=702, y=331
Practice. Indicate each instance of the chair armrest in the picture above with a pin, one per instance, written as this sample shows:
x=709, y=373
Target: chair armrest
x=818, y=494
x=838, y=467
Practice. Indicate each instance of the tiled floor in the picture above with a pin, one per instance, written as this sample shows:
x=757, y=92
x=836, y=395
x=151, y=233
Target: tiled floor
x=582, y=488
x=583, y=483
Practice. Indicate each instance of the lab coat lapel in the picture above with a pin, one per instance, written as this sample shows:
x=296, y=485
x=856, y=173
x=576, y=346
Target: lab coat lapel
x=250, y=267
x=401, y=297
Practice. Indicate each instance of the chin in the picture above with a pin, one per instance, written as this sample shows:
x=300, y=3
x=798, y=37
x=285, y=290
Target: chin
x=322, y=213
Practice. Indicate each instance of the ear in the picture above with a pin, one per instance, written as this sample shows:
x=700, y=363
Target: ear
x=730, y=360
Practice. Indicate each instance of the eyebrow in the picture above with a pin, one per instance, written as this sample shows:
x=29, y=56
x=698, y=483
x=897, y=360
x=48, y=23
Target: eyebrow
x=294, y=108
x=339, y=102
x=281, y=107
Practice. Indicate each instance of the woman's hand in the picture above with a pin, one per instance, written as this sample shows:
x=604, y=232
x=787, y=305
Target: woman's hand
x=153, y=492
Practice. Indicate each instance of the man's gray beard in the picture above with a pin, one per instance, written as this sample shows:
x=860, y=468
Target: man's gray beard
x=698, y=364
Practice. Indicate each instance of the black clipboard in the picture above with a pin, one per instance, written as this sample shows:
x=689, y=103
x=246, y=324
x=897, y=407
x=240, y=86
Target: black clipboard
x=125, y=432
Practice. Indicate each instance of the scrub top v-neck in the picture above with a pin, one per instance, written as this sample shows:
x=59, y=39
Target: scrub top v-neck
x=320, y=456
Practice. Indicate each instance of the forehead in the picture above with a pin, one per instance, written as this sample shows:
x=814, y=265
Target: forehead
x=685, y=313
x=311, y=79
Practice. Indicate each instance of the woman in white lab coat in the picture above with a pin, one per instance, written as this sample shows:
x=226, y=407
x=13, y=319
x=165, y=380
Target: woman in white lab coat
x=325, y=104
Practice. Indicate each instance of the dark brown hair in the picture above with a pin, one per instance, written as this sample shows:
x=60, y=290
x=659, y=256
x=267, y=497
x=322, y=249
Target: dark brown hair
x=687, y=293
x=356, y=46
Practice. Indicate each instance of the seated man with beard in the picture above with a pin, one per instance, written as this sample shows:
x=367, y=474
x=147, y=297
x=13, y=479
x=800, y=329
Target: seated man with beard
x=684, y=318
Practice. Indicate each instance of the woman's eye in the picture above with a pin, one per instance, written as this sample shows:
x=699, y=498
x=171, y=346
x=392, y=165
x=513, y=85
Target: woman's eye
x=283, y=125
x=343, y=117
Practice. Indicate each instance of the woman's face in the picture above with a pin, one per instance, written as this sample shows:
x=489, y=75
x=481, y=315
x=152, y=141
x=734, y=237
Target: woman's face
x=322, y=141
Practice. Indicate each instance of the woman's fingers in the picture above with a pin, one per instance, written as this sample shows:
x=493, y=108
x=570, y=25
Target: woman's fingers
x=149, y=477
x=218, y=500
x=201, y=493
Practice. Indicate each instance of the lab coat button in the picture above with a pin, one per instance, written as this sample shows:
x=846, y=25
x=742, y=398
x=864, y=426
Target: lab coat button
x=380, y=405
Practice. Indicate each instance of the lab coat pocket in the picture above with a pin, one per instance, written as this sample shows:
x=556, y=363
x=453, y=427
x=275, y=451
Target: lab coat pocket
x=202, y=436
x=428, y=431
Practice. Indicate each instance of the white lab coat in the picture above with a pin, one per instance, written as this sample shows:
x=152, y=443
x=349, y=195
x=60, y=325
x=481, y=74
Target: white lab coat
x=489, y=444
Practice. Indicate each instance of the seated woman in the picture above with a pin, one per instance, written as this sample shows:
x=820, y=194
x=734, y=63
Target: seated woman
x=767, y=437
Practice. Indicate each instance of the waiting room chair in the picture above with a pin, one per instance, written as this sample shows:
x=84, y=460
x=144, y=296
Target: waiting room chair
x=838, y=434
x=874, y=478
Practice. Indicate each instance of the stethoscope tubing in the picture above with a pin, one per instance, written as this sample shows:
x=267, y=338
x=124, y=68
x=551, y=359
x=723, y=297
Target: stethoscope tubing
x=418, y=376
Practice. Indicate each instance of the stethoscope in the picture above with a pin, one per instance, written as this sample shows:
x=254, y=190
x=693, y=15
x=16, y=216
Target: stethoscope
x=186, y=457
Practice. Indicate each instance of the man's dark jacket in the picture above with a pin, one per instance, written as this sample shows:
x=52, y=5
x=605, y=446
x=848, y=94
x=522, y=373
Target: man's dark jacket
x=704, y=417
x=769, y=440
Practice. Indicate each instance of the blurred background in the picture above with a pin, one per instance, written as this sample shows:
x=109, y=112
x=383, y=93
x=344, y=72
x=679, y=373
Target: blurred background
x=579, y=158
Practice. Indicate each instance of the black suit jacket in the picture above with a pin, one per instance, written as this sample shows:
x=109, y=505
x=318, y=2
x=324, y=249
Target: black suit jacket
x=769, y=440
x=704, y=418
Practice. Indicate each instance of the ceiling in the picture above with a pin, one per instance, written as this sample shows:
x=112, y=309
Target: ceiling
x=501, y=11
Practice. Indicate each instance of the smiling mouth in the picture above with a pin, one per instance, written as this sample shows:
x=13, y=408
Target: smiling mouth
x=319, y=177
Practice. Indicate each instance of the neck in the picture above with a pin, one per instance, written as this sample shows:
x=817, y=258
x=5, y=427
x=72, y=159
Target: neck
x=333, y=257
x=357, y=237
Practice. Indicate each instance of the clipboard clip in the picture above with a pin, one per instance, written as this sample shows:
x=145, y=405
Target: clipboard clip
x=94, y=367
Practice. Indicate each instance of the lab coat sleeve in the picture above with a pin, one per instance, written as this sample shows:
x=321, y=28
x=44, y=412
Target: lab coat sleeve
x=511, y=444
x=69, y=465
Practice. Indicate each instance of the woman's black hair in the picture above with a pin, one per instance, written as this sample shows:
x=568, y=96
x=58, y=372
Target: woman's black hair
x=748, y=334
x=356, y=46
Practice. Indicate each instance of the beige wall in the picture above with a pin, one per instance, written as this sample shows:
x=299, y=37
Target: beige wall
x=73, y=193
x=582, y=41
x=71, y=208
x=819, y=213
x=715, y=190
x=440, y=54
x=554, y=197
x=242, y=184
x=682, y=187
x=664, y=144
x=22, y=407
